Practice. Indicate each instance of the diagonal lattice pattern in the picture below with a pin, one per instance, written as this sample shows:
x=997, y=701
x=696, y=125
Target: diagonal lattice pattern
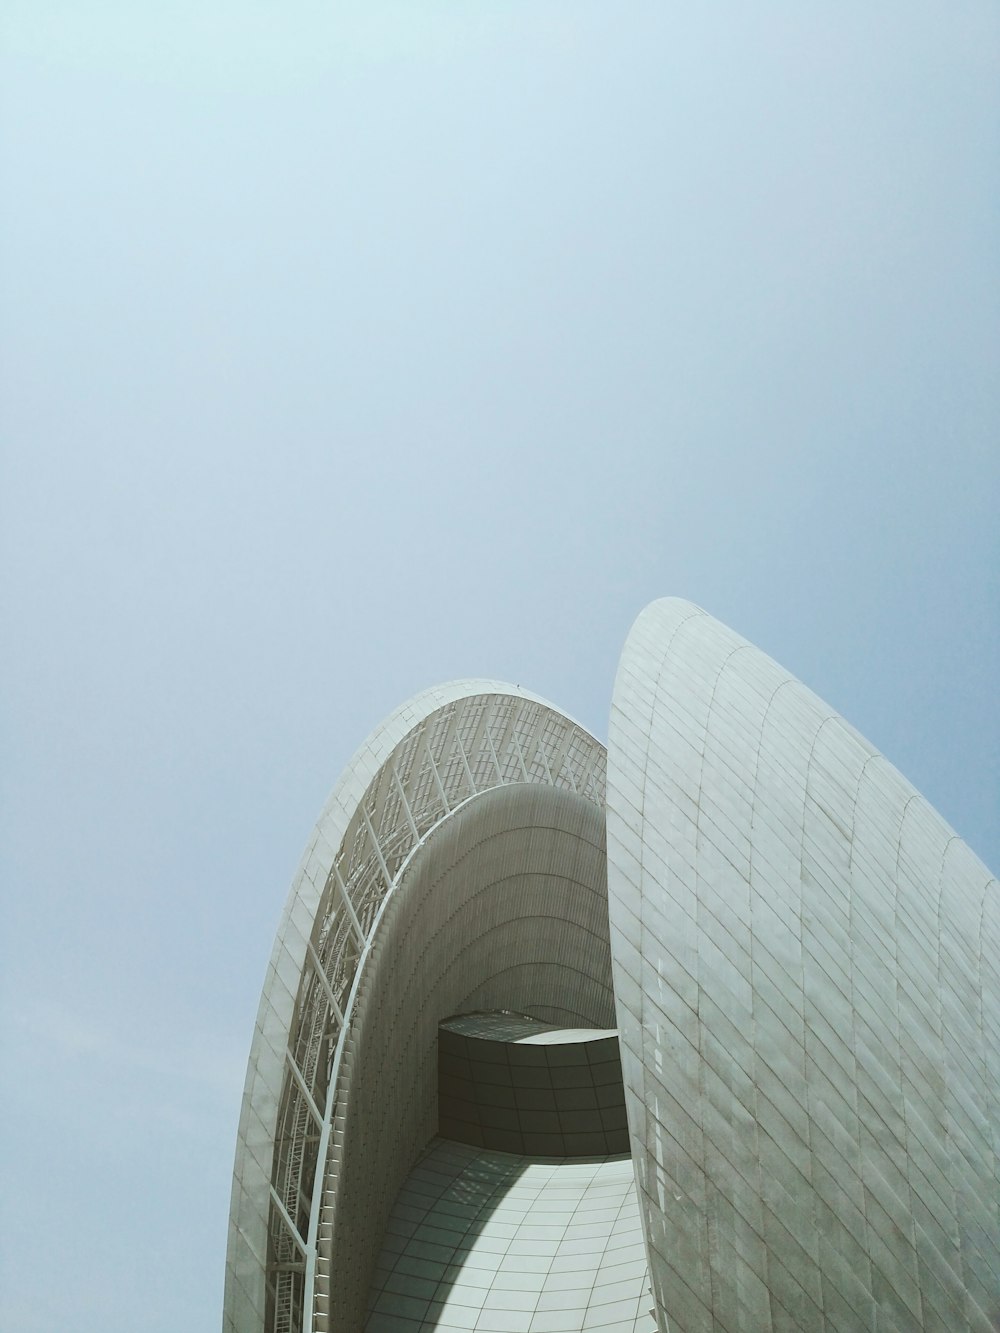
x=434, y=753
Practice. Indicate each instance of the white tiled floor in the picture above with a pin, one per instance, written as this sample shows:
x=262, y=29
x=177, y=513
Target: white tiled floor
x=490, y=1241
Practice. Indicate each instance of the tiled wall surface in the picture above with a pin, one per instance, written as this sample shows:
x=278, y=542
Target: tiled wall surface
x=267, y=1072
x=556, y=1092
x=504, y=907
x=490, y=1241
x=806, y=974
x=432, y=754
x=807, y=991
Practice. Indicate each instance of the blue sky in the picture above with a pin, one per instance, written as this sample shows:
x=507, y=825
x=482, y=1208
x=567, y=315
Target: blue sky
x=347, y=348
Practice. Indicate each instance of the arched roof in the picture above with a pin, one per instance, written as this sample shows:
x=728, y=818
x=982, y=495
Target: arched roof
x=807, y=973
x=434, y=752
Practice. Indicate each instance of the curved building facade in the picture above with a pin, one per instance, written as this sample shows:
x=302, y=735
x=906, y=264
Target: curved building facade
x=711, y=1043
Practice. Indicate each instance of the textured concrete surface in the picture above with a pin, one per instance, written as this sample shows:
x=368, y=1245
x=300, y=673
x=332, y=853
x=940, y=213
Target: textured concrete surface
x=808, y=998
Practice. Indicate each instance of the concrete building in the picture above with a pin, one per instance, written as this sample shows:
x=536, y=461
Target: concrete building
x=699, y=1034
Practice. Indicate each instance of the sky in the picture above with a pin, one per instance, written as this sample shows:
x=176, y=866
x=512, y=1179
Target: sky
x=347, y=348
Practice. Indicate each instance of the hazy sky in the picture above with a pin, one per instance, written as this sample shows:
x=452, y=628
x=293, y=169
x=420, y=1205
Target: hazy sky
x=351, y=347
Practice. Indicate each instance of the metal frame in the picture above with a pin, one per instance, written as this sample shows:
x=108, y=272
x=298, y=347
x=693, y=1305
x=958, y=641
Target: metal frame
x=427, y=759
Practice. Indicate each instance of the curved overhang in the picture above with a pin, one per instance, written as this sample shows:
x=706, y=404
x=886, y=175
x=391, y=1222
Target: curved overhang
x=806, y=974
x=503, y=906
x=515, y=1084
x=435, y=753
x=536, y=1243
x=803, y=960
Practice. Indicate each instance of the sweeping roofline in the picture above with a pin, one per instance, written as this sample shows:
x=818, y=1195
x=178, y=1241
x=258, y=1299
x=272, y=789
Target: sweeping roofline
x=273, y=1068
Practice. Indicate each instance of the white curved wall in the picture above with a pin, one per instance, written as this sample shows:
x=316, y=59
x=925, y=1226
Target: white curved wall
x=805, y=972
x=435, y=752
x=512, y=1243
x=503, y=907
x=808, y=999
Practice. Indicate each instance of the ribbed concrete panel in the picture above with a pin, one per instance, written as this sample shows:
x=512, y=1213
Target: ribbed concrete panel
x=483, y=1240
x=503, y=907
x=806, y=974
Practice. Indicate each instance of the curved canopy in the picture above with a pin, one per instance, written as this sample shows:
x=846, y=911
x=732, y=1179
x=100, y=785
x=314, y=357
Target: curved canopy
x=801, y=957
x=436, y=752
x=806, y=972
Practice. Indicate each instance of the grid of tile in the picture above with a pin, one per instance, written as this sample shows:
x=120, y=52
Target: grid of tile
x=504, y=907
x=435, y=752
x=499, y=1025
x=557, y=1091
x=806, y=973
x=480, y=1241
